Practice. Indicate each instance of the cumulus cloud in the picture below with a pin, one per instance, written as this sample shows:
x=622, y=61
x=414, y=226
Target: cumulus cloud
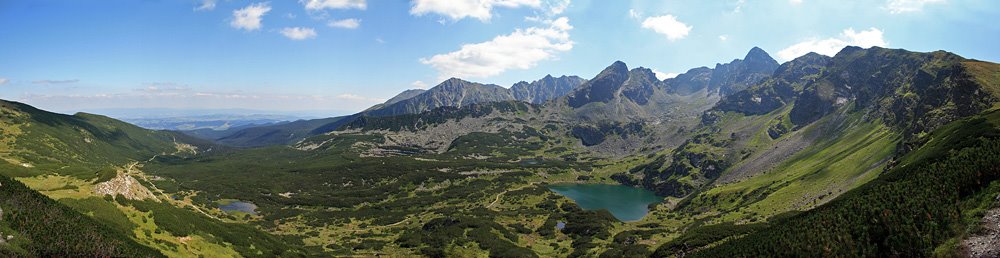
x=522, y=49
x=723, y=37
x=55, y=81
x=345, y=23
x=795, y=1
x=662, y=75
x=298, y=33
x=906, y=6
x=206, y=5
x=249, y=17
x=315, y=5
x=830, y=46
x=419, y=84
x=479, y=9
x=667, y=25
x=3, y=81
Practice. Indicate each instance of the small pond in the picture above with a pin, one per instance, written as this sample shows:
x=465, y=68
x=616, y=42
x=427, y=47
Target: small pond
x=233, y=206
x=624, y=202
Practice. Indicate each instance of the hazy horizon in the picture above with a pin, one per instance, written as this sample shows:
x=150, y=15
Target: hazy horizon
x=341, y=57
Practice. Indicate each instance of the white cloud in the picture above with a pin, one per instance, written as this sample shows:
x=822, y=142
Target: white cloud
x=634, y=14
x=3, y=81
x=419, y=84
x=345, y=23
x=206, y=5
x=522, y=49
x=298, y=33
x=479, y=9
x=723, y=37
x=557, y=7
x=315, y=5
x=905, y=6
x=795, y=1
x=667, y=25
x=663, y=76
x=249, y=17
x=830, y=46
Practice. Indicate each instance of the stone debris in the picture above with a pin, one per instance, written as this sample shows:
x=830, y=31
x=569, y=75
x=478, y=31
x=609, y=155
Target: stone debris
x=987, y=242
x=126, y=186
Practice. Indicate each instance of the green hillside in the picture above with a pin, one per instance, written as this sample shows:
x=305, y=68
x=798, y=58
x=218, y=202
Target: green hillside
x=86, y=162
x=910, y=210
x=41, y=227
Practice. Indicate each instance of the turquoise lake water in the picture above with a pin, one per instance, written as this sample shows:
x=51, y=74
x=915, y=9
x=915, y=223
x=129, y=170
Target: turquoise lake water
x=625, y=203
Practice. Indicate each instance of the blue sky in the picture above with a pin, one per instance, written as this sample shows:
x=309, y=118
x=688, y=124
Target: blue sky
x=341, y=56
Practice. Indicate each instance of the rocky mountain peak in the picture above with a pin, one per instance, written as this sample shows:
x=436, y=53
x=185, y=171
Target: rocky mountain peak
x=602, y=88
x=642, y=72
x=740, y=74
x=759, y=59
x=546, y=88
x=617, y=68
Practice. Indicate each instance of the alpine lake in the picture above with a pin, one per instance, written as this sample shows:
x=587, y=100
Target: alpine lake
x=624, y=202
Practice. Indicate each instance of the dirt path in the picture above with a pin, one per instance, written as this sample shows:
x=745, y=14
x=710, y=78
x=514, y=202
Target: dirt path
x=987, y=242
x=508, y=190
x=382, y=226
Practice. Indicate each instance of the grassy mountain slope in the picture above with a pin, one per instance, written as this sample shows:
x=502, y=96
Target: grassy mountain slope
x=81, y=145
x=41, y=227
x=846, y=96
x=93, y=164
x=909, y=211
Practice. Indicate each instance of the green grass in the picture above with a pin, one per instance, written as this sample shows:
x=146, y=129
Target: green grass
x=911, y=210
x=45, y=228
x=809, y=178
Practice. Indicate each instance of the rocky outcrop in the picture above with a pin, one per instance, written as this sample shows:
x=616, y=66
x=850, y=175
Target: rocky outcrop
x=692, y=81
x=603, y=88
x=126, y=186
x=545, y=89
x=453, y=92
x=778, y=90
x=985, y=243
x=741, y=74
x=912, y=91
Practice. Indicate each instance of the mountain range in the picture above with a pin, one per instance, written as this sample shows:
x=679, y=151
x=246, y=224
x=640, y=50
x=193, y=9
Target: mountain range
x=870, y=152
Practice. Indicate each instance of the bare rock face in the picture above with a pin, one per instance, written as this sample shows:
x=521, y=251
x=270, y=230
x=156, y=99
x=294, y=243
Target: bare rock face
x=126, y=186
x=987, y=242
